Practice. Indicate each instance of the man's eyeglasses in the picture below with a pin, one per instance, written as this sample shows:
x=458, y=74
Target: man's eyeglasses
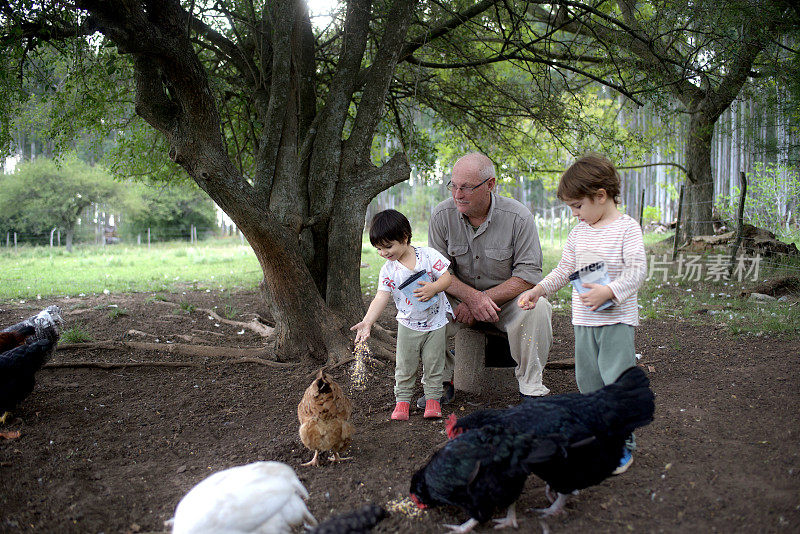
x=466, y=189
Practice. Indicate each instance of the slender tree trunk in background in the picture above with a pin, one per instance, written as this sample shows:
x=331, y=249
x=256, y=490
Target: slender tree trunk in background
x=698, y=203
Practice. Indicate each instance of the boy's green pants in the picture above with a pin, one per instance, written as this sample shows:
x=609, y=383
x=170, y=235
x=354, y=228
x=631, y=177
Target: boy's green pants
x=602, y=353
x=413, y=346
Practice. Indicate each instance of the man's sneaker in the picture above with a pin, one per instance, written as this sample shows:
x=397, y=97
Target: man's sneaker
x=624, y=462
x=401, y=410
x=433, y=409
x=448, y=394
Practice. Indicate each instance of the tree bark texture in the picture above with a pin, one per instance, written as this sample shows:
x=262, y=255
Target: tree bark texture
x=303, y=209
x=698, y=201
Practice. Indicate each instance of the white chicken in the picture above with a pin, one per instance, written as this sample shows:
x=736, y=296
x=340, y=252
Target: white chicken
x=261, y=497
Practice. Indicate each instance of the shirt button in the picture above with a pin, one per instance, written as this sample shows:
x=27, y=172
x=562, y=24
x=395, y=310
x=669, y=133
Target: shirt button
x=479, y=277
x=477, y=257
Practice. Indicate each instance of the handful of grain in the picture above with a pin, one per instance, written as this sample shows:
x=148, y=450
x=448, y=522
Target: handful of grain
x=358, y=372
x=404, y=506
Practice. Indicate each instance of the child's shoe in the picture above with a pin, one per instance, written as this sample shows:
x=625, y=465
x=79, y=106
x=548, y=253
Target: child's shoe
x=624, y=462
x=433, y=409
x=400, y=412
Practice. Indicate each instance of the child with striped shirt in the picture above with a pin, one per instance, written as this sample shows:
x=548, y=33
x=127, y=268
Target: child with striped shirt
x=603, y=335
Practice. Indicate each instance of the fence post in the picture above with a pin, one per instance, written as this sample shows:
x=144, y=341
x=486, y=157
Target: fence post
x=8, y=239
x=641, y=208
x=739, y=223
x=678, y=226
x=552, y=223
x=51, y=236
x=15, y=241
x=148, y=238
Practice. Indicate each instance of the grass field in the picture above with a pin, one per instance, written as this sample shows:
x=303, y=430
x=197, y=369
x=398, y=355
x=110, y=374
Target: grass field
x=226, y=265
x=213, y=265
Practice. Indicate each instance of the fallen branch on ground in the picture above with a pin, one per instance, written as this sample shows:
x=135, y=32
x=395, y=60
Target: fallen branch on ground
x=566, y=363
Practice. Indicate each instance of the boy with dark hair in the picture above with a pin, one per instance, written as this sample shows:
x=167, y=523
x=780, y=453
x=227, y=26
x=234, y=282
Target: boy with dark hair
x=416, y=278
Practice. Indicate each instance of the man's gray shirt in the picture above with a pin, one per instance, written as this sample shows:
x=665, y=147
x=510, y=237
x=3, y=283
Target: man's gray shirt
x=505, y=245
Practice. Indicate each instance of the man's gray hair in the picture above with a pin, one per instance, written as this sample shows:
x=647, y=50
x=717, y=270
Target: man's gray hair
x=480, y=162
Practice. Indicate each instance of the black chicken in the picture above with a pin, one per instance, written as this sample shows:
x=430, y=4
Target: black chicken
x=571, y=441
x=482, y=470
x=26, y=347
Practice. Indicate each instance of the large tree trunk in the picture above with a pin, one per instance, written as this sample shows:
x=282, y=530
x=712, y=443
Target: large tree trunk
x=302, y=209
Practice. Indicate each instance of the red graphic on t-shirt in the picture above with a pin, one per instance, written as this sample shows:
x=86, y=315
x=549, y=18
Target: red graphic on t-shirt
x=387, y=281
x=439, y=265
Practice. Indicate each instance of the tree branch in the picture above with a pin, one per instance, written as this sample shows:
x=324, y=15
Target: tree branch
x=445, y=28
x=357, y=147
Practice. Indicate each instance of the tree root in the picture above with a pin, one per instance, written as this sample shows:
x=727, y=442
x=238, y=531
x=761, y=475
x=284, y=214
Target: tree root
x=383, y=335
x=118, y=365
x=173, y=348
x=255, y=325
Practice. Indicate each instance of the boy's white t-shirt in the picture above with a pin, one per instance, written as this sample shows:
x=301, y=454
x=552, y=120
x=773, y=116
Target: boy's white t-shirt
x=394, y=273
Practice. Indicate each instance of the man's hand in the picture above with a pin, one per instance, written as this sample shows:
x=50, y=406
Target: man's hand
x=462, y=314
x=596, y=296
x=481, y=307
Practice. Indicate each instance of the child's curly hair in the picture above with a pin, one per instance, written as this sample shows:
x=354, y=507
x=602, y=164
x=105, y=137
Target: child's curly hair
x=586, y=176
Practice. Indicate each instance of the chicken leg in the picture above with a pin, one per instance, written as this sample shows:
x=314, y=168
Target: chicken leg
x=467, y=526
x=510, y=520
x=314, y=461
x=554, y=509
x=337, y=458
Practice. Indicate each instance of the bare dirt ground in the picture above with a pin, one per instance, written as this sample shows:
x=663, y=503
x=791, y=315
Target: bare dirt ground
x=113, y=450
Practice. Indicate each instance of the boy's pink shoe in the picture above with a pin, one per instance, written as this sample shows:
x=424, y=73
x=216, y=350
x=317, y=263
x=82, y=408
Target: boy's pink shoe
x=400, y=412
x=432, y=409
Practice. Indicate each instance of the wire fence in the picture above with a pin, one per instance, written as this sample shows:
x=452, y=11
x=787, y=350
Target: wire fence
x=111, y=236
x=729, y=249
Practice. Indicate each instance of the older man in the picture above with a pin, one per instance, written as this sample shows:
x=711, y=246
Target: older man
x=494, y=252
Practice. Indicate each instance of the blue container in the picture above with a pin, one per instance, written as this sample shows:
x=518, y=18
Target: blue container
x=410, y=284
x=594, y=273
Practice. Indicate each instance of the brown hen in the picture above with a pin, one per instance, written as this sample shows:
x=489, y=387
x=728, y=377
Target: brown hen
x=324, y=414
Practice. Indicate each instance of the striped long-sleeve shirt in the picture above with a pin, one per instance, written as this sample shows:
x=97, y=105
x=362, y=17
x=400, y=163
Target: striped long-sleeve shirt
x=621, y=247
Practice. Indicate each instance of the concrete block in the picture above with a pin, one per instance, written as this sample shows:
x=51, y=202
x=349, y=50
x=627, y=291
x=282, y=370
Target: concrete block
x=471, y=374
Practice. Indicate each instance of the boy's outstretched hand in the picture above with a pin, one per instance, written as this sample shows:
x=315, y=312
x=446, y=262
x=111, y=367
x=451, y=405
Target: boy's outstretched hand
x=362, y=330
x=527, y=300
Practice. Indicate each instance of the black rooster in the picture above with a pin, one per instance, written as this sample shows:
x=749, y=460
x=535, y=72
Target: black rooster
x=26, y=347
x=571, y=441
